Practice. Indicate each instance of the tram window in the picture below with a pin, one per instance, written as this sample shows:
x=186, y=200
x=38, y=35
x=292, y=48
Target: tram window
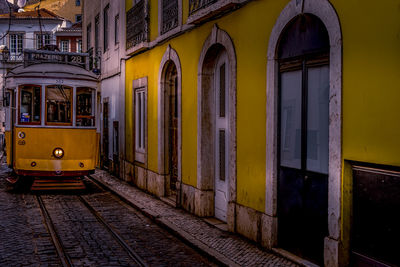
x=84, y=107
x=29, y=112
x=58, y=104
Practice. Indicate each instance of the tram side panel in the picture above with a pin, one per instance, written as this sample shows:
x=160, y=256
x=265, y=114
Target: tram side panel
x=35, y=151
x=8, y=143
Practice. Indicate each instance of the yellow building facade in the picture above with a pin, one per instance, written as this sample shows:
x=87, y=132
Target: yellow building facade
x=207, y=113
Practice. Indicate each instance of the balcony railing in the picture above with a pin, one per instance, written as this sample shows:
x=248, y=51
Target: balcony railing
x=195, y=5
x=94, y=60
x=137, y=24
x=169, y=15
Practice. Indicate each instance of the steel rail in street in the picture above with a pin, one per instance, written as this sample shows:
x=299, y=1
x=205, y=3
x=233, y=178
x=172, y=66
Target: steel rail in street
x=64, y=258
x=116, y=236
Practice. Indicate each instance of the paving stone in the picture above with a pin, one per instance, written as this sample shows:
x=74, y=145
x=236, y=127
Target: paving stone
x=227, y=248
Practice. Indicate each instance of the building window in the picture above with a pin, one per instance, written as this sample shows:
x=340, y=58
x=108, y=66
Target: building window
x=96, y=32
x=116, y=30
x=64, y=45
x=16, y=46
x=140, y=116
x=42, y=40
x=79, y=46
x=30, y=104
x=58, y=104
x=77, y=2
x=137, y=24
x=85, y=106
x=88, y=34
x=106, y=25
x=169, y=15
x=140, y=109
x=78, y=17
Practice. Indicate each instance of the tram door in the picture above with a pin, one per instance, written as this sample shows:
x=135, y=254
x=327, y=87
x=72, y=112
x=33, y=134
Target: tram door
x=106, y=160
x=303, y=138
x=172, y=127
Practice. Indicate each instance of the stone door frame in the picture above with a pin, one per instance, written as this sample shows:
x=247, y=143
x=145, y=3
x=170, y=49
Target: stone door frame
x=217, y=40
x=327, y=14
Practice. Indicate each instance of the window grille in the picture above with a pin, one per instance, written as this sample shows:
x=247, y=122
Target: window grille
x=137, y=24
x=195, y=5
x=169, y=15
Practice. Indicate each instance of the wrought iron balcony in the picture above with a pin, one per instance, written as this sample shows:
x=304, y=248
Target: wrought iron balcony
x=169, y=15
x=137, y=24
x=94, y=60
x=195, y=5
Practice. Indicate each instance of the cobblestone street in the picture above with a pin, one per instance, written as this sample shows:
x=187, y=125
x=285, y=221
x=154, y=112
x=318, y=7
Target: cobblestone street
x=94, y=228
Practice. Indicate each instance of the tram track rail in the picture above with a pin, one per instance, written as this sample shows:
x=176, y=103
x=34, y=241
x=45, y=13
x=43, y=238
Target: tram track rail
x=64, y=258
x=132, y=254
x=63, y=255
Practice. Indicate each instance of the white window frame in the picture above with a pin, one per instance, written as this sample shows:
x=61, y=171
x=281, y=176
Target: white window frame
x=61, y=45
x=17, y=55
x=140, y=118
x=79, y=46
x=39, y=36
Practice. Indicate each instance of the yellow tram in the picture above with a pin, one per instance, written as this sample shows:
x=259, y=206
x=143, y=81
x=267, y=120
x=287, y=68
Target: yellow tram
x=51, y=125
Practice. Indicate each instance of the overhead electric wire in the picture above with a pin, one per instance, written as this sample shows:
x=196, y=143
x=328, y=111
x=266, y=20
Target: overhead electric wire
x=9, y=21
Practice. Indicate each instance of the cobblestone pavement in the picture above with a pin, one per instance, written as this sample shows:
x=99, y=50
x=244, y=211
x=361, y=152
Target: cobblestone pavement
x=25, y=240
x=227, y=248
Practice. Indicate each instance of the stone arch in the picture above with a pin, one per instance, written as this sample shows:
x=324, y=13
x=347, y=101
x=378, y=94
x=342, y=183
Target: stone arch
x=170, y=57
x=327, y=14
x=216, y=42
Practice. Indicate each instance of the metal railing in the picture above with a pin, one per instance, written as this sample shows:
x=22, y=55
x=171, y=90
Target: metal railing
x=94, y=60
x=195, y=5
x=137, y=24
x=169, y=15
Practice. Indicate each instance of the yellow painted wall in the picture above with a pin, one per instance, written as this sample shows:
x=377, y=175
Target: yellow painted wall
x=371, y=80
x=371, y=87
x=64, y=8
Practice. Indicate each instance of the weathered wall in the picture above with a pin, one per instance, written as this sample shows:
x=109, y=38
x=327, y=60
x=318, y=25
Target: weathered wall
x=371, y=38
x=64, y=8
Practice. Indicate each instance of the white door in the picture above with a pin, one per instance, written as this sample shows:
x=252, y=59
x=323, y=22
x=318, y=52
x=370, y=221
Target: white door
x=221, y=137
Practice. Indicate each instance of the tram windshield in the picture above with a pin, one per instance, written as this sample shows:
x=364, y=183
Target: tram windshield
x=30, y=104
x=58, y=104
x=85, y=106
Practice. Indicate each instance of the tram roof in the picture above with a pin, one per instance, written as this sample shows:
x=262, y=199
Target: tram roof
x=52, y=71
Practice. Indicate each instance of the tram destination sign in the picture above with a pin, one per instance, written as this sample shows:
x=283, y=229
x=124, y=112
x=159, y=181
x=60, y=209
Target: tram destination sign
x=42, y=56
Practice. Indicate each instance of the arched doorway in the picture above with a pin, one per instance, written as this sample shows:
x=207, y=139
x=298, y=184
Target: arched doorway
x=169, y=126
x=171, y=129
x=216, y=142
x=303, y=137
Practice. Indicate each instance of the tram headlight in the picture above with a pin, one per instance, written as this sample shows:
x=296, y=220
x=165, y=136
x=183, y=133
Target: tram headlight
x=58, y=153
